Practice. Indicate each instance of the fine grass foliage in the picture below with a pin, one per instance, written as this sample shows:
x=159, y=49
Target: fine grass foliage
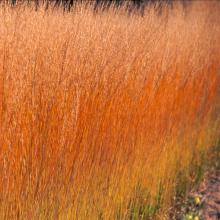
x=103, y=115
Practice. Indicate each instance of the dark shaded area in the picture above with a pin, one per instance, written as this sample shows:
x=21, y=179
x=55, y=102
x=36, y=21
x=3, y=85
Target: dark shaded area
x=104, y=4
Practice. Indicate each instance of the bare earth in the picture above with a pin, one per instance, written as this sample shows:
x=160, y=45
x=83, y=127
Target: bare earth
x=210, y=193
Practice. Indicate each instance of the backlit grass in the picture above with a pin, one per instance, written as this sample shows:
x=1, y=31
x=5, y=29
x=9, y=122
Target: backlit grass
x=105, y=115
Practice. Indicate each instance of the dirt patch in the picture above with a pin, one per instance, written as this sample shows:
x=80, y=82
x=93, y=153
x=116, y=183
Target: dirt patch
x=203, y=203
x=210, y=193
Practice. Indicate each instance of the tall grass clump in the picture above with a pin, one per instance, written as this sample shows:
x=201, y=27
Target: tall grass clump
x=106, y=114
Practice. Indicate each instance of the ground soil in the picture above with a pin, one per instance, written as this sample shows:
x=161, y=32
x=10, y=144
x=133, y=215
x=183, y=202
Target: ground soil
x=209, y=191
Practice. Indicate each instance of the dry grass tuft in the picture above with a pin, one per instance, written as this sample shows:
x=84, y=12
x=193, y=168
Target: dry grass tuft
x=102, y=114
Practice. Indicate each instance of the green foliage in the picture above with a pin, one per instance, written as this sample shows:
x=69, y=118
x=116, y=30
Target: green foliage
x=141, y=208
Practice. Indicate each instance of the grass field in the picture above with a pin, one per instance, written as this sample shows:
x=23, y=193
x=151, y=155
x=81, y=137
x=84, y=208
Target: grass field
x=105, y=115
